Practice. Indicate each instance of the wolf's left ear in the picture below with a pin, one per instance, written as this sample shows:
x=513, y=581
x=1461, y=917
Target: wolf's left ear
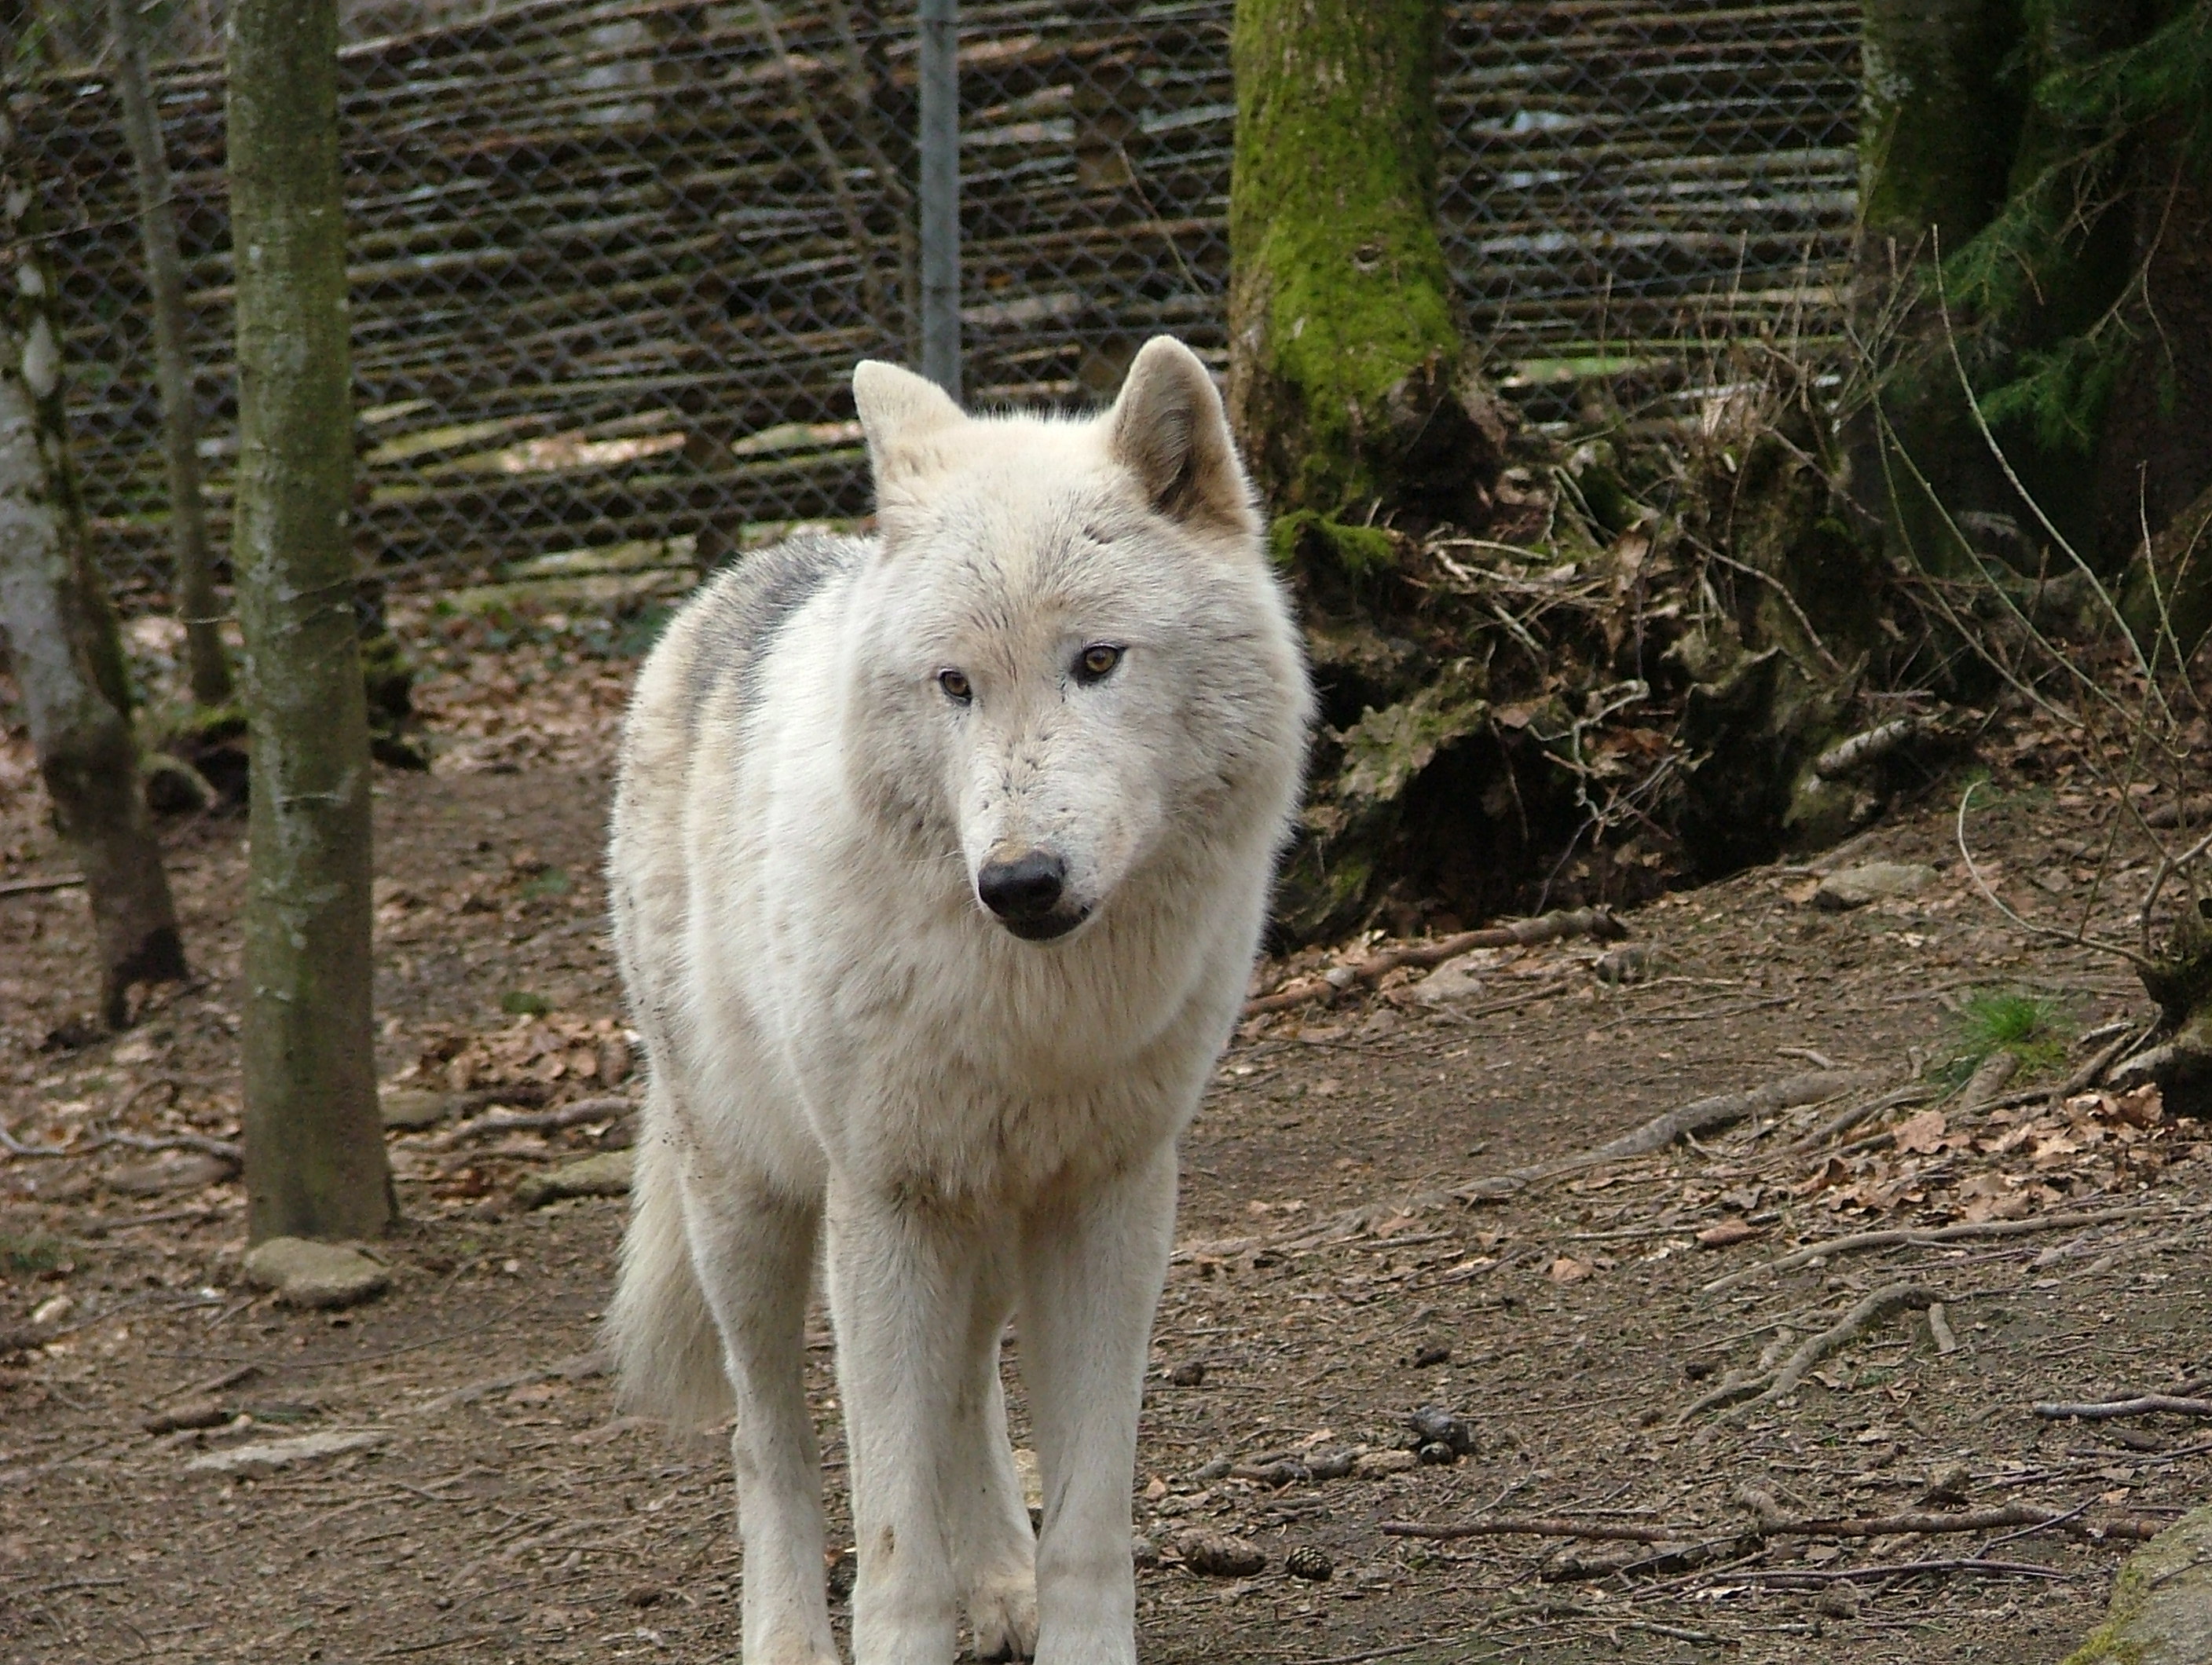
x=1168, y=429
x=903, y=416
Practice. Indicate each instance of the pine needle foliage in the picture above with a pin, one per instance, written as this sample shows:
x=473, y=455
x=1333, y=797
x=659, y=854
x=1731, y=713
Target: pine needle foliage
x=2054, y=318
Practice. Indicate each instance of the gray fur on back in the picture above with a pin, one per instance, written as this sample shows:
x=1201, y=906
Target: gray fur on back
x=737, y=615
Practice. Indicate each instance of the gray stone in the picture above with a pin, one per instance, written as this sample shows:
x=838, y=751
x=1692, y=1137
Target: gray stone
x=268, y=1456
x=2161, y=1610
x=304, y=1273
x=188, y=1171
x=408, y=1107
x=606, y=1174
x=1462, y=977
x=1872, y=881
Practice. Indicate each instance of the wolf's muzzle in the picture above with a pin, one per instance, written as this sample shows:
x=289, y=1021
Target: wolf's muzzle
x=1028, y=895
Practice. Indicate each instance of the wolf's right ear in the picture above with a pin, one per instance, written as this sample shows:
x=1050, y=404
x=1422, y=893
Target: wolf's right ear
x=904, y=417
x=1168, y=429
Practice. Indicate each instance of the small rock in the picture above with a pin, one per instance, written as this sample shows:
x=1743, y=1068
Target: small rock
x=1144, y=1553
x=192, y=1414
x=1948, y=1488
x=1461, y=978
x=1437, y=1454
x=1308, y=1562
x=1872, y=881
x=1217, y=1555
x=52, y=1310
x=268, y=1456
x=1191, y=1373
x=190, y=1171
x=409, y=1108
x=1437, y=1426
x=1384, y=1462
x=644, y=1595
x=1841, y=1600
x=1433, y=1353
x=606, y=1174
x=1632, y=963
x=304, y=1273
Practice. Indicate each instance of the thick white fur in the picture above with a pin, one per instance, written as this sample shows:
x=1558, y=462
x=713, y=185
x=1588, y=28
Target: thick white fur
x=845, y=1045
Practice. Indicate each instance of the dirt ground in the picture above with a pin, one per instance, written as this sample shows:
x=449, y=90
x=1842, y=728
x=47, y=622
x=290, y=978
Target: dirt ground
x=1327, y=1284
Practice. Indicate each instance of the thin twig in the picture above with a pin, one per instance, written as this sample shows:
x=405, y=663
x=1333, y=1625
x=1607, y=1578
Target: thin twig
x=1927, y=1237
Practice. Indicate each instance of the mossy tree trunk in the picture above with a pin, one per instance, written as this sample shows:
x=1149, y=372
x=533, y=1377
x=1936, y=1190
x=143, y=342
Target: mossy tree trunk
x=1350, y=384
x=165, y=279
x=66, y=651
x=315, y=1162
x=1938, y=135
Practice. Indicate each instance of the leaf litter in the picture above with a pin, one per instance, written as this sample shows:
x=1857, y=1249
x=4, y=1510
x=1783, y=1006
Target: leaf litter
x=1345, y=1285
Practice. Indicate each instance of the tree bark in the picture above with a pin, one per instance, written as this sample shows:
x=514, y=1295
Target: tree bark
x=165, y=278
x=1350, y=385
x=1938, y=131
x=67, y=655
x=315, y=1162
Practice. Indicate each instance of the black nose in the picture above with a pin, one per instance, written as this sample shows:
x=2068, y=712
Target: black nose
x=1026, y=888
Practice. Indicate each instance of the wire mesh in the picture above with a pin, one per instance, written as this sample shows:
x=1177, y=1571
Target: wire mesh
x=612, y=260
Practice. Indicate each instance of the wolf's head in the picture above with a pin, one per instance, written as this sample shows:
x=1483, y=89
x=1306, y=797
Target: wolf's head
x=1075, y=663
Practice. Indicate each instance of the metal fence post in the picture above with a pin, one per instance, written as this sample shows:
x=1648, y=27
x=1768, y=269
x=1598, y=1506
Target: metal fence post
x=940, y=194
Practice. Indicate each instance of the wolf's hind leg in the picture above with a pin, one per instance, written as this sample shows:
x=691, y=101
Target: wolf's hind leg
x=994, y=1551
x=755, y=1253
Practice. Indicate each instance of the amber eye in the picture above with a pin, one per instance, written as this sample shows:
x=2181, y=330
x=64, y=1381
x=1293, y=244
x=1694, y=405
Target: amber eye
x=955, y=684
x=1097, y=662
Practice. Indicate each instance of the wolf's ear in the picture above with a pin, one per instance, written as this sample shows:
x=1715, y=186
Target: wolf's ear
x=1168, y=429
x=903, y=416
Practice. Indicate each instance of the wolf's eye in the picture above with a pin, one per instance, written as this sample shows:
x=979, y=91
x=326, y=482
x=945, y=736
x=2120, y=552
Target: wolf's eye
x=955, y=684
x=1096, y=662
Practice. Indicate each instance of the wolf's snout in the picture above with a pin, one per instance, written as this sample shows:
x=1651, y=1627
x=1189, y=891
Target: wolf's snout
x=1028, y=894
x=1026, y=888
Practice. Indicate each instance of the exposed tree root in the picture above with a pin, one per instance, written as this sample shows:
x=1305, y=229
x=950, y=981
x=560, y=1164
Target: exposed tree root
x=1927, y=1237
x=1773, y=1523
x=2141, y=1404
x=1598, y=922
x=1746, y=1395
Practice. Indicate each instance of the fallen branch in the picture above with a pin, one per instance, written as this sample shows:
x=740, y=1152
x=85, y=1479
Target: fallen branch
x=1874, y=1310
x=509, y=1122
x=1989, y=1078
x=24, y=887
x=1702, y=1116
x=1928, y=1237
x=227, y=1150
x=1871, y=746
x=1773, y=1523
x=1844, y=1120
x=2103, y=1410
x=1535, y=1526
x=1812, y=1576
x=1598, y=922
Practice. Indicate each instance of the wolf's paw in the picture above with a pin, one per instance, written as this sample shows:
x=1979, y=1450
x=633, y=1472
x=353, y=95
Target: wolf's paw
x=1002, y=1611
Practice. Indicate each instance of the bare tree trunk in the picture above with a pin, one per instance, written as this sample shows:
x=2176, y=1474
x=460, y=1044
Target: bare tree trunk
x=1351, y=387
x=62, y=633
x=1938, y=131
x=165, y=278
x=315, y=1162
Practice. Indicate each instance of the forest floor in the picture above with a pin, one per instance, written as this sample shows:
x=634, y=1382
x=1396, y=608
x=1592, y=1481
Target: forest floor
x=1327, y=1282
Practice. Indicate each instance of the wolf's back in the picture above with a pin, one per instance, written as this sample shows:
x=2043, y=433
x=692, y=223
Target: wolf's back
x=695, y=695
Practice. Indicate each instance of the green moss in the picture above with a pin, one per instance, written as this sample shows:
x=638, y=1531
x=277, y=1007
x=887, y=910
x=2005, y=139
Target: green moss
x=1338, y=274
x=1304, y=534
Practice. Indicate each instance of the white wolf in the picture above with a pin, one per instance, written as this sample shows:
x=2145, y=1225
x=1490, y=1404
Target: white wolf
x=939, y=864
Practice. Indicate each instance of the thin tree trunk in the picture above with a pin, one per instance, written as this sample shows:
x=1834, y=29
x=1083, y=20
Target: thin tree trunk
x=315, y=1162
x=68, y=656
x=1939, y=130
x=1350, y=385
x=165, y=278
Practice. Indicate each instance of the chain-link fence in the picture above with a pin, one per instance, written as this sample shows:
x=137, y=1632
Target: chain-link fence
x=612, y=260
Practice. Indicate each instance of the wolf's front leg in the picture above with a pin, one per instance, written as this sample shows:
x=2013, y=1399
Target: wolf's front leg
x=755, y=1252
x=1093, y=1266
x=902, y=1285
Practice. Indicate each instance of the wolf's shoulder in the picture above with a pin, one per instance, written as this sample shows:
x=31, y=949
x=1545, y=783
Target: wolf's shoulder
x=712, y=648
